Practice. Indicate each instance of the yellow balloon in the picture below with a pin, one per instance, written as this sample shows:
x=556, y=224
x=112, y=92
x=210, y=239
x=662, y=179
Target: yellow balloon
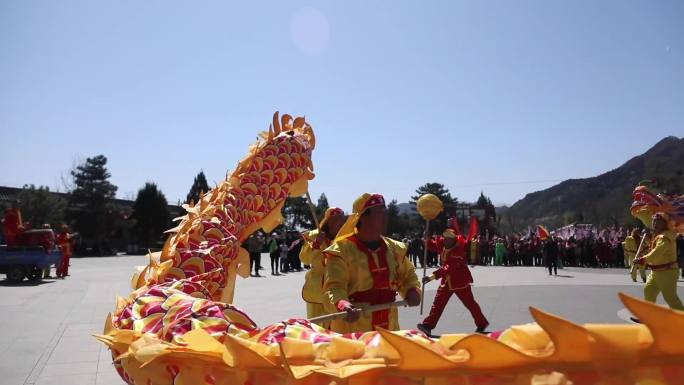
x=429, y=206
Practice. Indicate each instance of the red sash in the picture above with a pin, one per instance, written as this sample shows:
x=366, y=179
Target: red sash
x=381, y=292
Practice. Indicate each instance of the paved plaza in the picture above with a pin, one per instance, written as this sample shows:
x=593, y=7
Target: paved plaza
x=47, y=327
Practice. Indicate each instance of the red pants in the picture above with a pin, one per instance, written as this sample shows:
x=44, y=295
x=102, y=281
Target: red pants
x=12, y=240
x=465, y=295
x=63, y=268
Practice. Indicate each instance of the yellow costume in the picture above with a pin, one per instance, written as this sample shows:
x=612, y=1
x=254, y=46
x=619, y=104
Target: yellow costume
x=349, y=278
x=312, y=255
x=662, y=260
x=631, y=246
x=473, y=252
x=358, y=275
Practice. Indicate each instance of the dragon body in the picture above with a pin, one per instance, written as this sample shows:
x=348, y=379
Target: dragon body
x=179, y=326
x=647, y=202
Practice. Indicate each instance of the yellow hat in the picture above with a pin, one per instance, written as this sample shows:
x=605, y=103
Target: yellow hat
x=361, y=204
x=449, y=233
x=330, y=212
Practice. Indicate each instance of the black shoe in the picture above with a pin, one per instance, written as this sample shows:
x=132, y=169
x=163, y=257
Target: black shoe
x=635, y=320
x=482, y=329
x=425, y=329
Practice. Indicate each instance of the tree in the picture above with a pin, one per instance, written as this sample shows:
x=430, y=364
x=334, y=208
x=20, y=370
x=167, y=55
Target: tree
x=39, y=206
x=322, y=205
x=151, y=215
x=489, y=221
x=297, y=214
x=438, y=189
x=397, y=223
x=199, y=185
x=90, y=200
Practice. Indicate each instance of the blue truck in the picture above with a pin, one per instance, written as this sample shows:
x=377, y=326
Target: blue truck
x=29, y=260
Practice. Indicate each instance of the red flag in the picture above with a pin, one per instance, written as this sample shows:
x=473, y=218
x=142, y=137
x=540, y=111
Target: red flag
x=542, y=232
x=474, y=228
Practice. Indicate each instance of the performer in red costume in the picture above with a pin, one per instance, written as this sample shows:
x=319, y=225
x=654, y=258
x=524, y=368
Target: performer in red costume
x=65, y=243
x=12, y=225
x=456, y=279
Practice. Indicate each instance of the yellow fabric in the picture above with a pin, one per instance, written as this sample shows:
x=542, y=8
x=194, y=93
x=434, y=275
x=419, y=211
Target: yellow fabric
x=473, y=252
x=630, y=247
x=664, y=282
x=641, y=270
x=326, y=216
x=349, y=227
x=347, y=272
x=663, y=249
x=312, y=292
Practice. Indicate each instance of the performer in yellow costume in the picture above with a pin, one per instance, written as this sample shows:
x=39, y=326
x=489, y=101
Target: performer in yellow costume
x=363, y=268
x=631, y=246
x=312, y=254
x=662, y=260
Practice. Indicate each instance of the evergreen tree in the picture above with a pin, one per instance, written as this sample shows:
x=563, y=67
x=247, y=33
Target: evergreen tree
x=39, y=206
x=151, y=215
x=321, y=206
x=90, y=199
x=297, y=214
x=199, y=185
x=397, y=224
x=438, y=224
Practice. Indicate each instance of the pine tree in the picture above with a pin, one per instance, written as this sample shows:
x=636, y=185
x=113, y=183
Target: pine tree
x=199, y=185
x=151, y=215
x=90, y=199
x=397, y=224
x=321, y=206
x=297, y=214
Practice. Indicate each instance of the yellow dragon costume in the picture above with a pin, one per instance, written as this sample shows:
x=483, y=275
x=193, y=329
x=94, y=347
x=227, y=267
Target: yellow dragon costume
x=178, y=326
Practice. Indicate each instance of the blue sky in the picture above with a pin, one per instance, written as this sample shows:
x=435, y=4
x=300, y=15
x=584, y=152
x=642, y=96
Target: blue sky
x=501, y=96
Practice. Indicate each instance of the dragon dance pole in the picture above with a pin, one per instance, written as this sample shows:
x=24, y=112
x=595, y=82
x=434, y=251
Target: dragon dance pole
x=428, y=206
x=425, y=251
x=367, y=309
x=634, y=265
x=311, y=207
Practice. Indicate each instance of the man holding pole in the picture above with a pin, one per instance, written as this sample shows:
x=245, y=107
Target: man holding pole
x=631, y=245
x=662, y=260
x=315, y=241
x=456, y=279
x=365, y=268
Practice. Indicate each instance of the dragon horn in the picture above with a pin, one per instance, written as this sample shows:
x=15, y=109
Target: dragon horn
x=276, y=123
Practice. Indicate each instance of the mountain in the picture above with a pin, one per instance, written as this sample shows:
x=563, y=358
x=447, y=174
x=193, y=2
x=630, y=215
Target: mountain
x=603, y=199
x=406, y=208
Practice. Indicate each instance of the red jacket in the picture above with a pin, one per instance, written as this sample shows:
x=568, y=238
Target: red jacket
x=454, y=272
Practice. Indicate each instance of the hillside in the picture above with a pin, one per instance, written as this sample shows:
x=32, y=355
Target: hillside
x=603, y=199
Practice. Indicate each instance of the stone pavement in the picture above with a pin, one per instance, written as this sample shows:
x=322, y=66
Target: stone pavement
x=47, y=328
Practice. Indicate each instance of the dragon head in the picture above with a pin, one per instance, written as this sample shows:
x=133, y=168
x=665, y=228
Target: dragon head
x=647, y=202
